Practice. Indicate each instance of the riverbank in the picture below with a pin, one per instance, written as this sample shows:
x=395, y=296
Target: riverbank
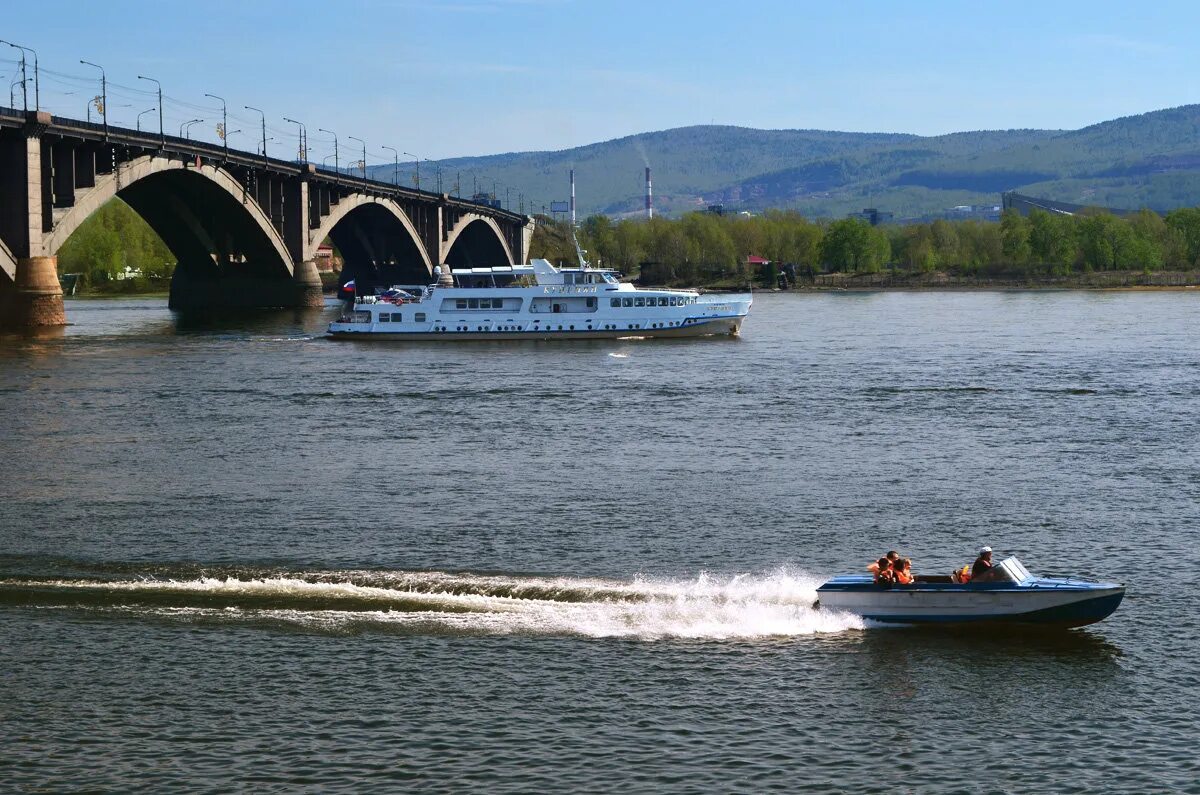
x=1097, y=280
x=897, y=280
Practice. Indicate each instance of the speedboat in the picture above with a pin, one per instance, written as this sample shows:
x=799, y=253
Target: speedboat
x=1011, y=595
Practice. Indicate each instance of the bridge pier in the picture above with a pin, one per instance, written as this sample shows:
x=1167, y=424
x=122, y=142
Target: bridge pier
x=37, y=299
x=307, y=282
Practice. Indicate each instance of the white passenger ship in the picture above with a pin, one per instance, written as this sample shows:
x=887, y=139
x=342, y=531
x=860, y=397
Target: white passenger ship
x=538, y=301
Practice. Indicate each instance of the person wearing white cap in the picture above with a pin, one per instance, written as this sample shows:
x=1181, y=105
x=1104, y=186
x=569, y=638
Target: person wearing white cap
x=982, y=567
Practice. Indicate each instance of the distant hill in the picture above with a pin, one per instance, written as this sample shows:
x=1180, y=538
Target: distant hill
x=1150, y=160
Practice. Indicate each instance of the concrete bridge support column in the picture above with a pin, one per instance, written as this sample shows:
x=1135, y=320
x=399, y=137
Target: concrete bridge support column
x=308, y=284
x=36, y=299
x=296, y=209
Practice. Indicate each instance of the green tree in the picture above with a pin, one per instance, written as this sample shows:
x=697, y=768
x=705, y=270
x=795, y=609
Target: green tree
x=1014, y=234
x=1186, y=223
x=852, y=244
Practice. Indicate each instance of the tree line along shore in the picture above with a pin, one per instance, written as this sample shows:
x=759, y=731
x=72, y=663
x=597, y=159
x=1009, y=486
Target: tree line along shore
x=116, y=251
x=1095, y=249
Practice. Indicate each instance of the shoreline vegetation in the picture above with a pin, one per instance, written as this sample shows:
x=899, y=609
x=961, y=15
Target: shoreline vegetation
x=117, y=253
x=783, y=249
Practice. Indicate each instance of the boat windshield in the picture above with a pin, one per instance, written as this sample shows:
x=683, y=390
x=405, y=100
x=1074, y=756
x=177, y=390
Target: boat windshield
x=1010, y=570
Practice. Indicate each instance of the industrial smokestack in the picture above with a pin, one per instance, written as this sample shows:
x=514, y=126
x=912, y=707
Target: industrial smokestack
x=572, y=197
x=649, y=196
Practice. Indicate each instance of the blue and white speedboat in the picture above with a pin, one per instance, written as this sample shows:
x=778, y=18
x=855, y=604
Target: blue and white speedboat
x=1011, y=595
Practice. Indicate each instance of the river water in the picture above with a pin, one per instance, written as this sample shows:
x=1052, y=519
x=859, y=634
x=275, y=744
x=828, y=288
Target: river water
x=235, y=555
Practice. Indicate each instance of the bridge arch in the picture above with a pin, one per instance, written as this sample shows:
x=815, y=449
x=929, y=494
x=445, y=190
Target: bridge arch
x=376, y=232
x=202, y=213
x=477, y=241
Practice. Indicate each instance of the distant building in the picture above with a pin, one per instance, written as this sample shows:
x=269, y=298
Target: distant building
x=324, y=258
x=873, y=216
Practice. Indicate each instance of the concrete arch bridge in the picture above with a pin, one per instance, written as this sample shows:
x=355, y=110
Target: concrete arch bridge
x=244, y=228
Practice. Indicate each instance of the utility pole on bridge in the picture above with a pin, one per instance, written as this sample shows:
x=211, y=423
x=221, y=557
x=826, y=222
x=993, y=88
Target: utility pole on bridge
x=336, y=167
x=303, y=151
x=37, y=95
x=395, y=164
x=224, y=124
x=161, y=135
x=364, y=158
x=418, y=162
x=103, y=94
x=264, y=132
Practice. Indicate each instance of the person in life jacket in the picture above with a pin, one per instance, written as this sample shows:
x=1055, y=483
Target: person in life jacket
x=884, y=574
x=891, y=558
x=902, y=570
x=981, y=569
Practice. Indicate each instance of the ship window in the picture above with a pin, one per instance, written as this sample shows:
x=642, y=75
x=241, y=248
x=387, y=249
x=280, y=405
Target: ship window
x=419, y=317
x=396, y=317
x=639, y=301
x=460, y=303
x=615, y=302
x=472, y=303
x=662, y=300
x=626, y=302
x=384, y=317
x=591, y=303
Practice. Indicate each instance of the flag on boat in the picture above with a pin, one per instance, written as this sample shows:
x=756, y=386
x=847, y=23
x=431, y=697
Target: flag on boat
x=349, y=286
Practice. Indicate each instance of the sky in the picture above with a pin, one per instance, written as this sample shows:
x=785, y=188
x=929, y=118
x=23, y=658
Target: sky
x=440, y=79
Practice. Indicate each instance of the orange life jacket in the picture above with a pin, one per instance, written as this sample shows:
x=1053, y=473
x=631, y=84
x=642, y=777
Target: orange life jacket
x=904, y=577
x=963, y=575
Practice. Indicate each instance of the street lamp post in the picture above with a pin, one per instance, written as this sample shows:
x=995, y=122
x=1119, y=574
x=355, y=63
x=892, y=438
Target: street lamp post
x=303, y=150
x=140, y=115
x=336, y=167
x=37, y=95
x=185, y=129
x=224, y=124
x=12, y=91
x=395, y=164
x=162, y=136
x=416, y=160
x=264, y=132
x=103, y=93
x=437, y=170
x=364, y=159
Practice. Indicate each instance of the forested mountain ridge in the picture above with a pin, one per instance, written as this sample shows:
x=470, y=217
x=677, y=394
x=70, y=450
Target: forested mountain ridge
x=1151, y=160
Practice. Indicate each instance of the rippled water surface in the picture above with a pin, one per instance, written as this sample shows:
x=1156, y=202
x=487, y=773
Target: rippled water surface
x=234, y=555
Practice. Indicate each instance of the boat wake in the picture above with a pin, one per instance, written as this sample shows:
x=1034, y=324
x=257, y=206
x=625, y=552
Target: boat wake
x=778, y=604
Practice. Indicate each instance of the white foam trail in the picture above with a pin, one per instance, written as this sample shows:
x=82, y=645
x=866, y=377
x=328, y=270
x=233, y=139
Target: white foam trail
x=619, y=355
x=779, y=604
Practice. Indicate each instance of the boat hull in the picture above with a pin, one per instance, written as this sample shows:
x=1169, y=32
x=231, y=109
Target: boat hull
x=1060, y=607
x=706, y=328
